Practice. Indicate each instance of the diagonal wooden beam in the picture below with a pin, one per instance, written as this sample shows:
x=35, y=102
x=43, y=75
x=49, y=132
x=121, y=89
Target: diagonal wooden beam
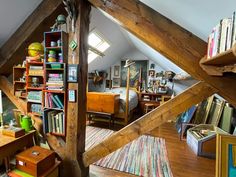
x=14, y=50
x=7, y=88
x=148, y=122
x=180, y=46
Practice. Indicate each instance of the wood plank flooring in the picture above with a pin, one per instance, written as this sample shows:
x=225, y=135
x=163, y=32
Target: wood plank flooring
x=183, y=162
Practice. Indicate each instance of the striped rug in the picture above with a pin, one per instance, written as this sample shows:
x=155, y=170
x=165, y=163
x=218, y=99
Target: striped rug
x=145, y=156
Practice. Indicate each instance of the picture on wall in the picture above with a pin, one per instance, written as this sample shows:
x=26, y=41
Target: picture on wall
x=72, y=73
x=116, y=82
x=116, y=71
x=225, y=156
x=134, y=72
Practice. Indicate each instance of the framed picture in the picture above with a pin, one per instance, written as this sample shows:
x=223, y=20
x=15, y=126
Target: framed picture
x=151, y=73
x=139, y=69
x=225, y=156
x=116, y=71
x=72, y=73
x=108, y=83
x=71, y=95
x=116, y=82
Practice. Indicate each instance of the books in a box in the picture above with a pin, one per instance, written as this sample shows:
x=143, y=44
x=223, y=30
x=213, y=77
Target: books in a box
x=13, y=131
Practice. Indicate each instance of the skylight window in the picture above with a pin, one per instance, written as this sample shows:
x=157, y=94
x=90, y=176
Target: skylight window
x=97, y=43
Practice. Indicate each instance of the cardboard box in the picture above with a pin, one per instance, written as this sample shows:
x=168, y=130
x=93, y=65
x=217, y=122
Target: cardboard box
x=35, y=160
x=203, y=145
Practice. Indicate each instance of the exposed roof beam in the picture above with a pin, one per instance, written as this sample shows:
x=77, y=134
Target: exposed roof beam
x=14, y=50
x=149, y=121
x=7, y=88
x=180, y=46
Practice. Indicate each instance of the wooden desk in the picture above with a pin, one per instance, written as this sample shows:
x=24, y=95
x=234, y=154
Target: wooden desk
x=152, y=98
x=9, y=145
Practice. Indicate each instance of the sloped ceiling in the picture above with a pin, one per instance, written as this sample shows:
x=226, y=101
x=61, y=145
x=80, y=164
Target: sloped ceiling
x=12, y=14
x=119, y=45
x=199, y=17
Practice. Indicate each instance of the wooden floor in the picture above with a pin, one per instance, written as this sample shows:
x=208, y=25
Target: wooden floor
x=183, y=162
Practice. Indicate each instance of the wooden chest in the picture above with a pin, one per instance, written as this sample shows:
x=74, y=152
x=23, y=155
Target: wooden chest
x=13, y=132
x=103, y=102
x=35, y=160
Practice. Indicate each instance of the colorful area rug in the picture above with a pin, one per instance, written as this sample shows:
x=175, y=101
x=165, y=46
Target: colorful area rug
x=145, y=156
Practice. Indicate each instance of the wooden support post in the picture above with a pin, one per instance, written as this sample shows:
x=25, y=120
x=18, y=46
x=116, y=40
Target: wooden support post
x=171, y=40
x=127, y=96
x=76, y=111
x=151, y=120
x=7, y=88
x=110, y=81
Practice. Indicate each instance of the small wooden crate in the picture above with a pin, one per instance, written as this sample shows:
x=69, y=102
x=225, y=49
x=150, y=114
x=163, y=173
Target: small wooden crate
x=13, y=132
x=204, y=146
x=35, y=160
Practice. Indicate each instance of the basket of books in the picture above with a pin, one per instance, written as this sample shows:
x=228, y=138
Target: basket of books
x=202, y=139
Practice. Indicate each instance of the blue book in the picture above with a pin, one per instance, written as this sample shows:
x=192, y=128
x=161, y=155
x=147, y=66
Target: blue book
x=59, y=101
x=55, y=101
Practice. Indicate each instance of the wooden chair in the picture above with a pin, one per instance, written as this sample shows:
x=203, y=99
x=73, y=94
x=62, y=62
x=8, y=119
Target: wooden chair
x=148, y=107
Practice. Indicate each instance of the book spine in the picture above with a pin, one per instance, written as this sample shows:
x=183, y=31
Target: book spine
x=49, y=123
x=59, y=101
x=57, y=105
x=53, y=123
x=216, y=40
x=57, y=123
x=223, y=35
x=61, y=122
x=233, y=28
x=229, y=34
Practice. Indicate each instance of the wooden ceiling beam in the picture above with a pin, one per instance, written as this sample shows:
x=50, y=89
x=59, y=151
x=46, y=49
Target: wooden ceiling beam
x=7, y=88
x=171, y=40
x=14, y=50
x=148, y=122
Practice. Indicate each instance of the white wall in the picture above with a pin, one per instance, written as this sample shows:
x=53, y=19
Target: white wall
x=179, y=86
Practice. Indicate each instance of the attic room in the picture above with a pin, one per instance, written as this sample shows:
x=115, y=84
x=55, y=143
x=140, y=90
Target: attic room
x=117, y=88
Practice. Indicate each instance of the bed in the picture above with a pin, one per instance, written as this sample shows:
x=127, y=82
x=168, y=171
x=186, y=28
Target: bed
x=113, y=101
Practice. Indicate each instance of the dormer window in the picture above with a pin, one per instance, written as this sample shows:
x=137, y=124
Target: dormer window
x=97, y=45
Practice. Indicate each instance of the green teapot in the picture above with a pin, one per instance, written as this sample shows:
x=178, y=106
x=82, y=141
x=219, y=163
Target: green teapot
x=26, y=122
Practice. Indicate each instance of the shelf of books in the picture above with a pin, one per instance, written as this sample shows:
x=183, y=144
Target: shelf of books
x=34, y=87
x=221, y=50
x=54, y=112
x=54, y=95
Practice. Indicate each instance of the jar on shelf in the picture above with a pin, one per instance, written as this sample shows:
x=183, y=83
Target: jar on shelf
x=59, y=42
x=60, y=57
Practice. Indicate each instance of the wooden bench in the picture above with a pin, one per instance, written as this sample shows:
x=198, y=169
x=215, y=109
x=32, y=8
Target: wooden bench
x=101, y=114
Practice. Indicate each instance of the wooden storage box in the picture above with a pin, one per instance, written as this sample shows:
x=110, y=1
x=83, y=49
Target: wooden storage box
x=203, y=145
x=35, y=160
x=103, y=102
x=13, y=132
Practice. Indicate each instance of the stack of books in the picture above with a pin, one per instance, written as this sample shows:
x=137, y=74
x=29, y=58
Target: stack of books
x=53, y=100
x=55, y=122
x=222, y=37
x=36, y=70
x=34, y=96
x=55, y=82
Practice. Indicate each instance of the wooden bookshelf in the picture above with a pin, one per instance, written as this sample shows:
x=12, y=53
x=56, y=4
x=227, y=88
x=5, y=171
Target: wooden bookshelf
x=34, y=90
x=221, y=63
x=19, y=81
x=55, y=84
